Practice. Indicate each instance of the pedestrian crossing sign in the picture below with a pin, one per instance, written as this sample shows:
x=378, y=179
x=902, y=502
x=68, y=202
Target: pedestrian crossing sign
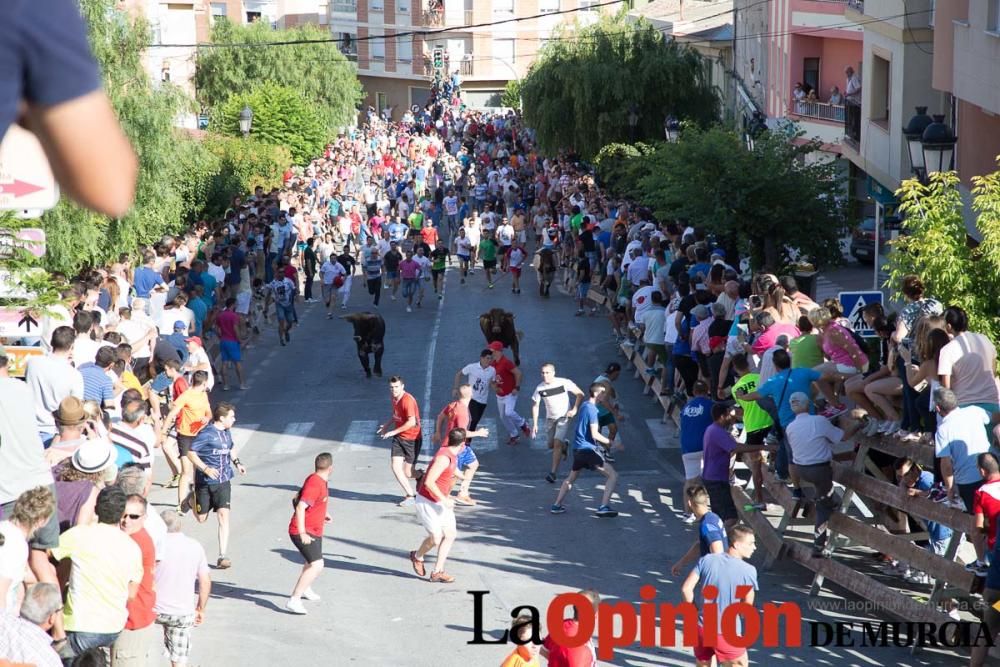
x=853, y=304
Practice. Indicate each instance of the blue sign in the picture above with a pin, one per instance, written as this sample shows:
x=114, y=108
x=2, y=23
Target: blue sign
x=853, y=304
x=880, y=193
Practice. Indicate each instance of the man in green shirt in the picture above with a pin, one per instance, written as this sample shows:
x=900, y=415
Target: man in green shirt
x=416, y=219
x=488, y=253
x=756, y=422
x=439, y=261
x=576, y=221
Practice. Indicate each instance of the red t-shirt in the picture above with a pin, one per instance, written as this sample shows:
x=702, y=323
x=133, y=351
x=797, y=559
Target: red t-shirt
x=402, y=410
x=457, y=417
x=986, y=501
x=140, y=608
x=314, y=494
x=179, y=387
x=429, y=235
x=505, y=375
x=228, y=321
x=561, y=656
x=446, y=479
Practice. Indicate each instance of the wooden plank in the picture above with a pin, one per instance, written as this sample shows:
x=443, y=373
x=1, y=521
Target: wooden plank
x=767, y=536
x=892, y=495
x=919, y=452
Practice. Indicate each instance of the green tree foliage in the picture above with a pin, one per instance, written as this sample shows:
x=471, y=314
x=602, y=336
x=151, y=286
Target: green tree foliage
x=243, y=165
x=616, y=168
x=578, y=94
x=935, y=246
x=319, y=70
x=770, y=201
x=511, y=95
x=281, y=116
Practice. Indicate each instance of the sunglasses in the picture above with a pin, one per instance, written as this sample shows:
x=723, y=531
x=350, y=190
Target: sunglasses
x=134, y=517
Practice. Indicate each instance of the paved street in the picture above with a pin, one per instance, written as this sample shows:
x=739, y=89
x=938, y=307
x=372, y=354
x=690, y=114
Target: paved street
x=312, y=396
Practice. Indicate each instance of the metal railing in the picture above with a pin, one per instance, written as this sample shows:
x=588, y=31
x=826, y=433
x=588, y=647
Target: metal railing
x=465, y=68
x=434, y=18
x=858, y=5
x=852, y=124
x=821, y=110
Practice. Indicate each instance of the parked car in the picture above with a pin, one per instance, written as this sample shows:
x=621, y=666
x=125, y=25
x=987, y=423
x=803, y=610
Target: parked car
x=863, y=241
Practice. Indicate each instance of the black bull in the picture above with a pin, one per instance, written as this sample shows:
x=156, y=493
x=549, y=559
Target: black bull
x=498, y=325
x=546, y=270
x=369, y=333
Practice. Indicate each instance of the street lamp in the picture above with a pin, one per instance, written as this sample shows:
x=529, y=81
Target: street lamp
x=633, y=120
x=672, y=129
x=913, y=133
x=246, y=120
x=938, y=142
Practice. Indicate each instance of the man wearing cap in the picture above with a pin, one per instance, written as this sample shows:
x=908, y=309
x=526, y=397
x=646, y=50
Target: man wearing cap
x=508, y=383
x=811, y=439
x=198, y=360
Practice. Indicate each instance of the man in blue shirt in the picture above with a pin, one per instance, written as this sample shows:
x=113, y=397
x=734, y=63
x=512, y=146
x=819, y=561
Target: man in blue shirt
x=587, y=454
x=213, y=458
x=695, y=418
x=97, y=384
x=711, y=530
x=145, y=279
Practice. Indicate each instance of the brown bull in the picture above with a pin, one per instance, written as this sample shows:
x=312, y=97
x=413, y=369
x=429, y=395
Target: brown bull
x=546, y=270
x=498, y=325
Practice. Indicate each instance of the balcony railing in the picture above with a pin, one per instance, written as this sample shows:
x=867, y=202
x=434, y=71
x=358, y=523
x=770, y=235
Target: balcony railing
x=858, y=5
x=852, y=124
x=465, y=68
x=820, y=110
x=345, y=6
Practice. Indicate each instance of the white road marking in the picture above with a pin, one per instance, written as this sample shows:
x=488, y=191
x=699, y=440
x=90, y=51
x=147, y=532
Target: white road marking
x=664, y=436
x=360, y=436
x=291, y=440
x=425, y=408
x=242, y=434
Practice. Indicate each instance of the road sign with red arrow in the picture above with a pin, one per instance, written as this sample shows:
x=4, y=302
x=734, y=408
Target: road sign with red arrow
x=26, y=181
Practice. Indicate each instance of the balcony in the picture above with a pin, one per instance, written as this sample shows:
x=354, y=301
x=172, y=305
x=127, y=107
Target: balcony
x=857, y=5
x=344, y=7
x=852, y=125
x=818, y=110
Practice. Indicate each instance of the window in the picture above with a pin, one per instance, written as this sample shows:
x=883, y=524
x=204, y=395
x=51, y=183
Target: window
x=881, y=82
x=377, y=44
x=548, y=6
x=381, y=102
x=993, y=16
x=503, y=50
x=253, y=17
x=376, y=5
x=348, y=44
x=345, y=6
x=503, y=8
x=218, y=11
x=588, y=5
x=810, y=73
x=403, y=6
x=324, y=13
x=404, y=49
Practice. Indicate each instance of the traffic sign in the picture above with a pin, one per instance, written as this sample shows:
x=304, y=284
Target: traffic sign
x=853, y=303
x=26, y=181
x=18, y=323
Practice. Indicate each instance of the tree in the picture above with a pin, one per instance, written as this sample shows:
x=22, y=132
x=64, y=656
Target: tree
x=281, y=116
x=772, y=201
x=511, y=95
x=243, y=165
x=579, y=93
x=935, y=246
x=318, y=70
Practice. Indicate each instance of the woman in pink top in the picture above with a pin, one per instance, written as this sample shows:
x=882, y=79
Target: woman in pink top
x=845, y=358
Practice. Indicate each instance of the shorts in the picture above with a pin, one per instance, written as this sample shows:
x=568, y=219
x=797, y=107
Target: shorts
x=723, y=651
x=46, y=537
x=243, y=302
x=587, y=459
x=692, y=465
x=515, y=271
x=392, y=275
x=410, y=286
x=177, y=635
x=311, y=552
x=212, y=497
x=489, y=264
x=582, y=290
x=605, y=419
x=846, y=369
x=464, y=258
x=284, y=313
x=184, y=443
x=757, y=437
x=660, y=350
x=408, y=449
x=466, y=458
x=230, y=350
x=436, y=518
x=721, y=497
x=437, y=273
x=556, y=428
x=328, y=291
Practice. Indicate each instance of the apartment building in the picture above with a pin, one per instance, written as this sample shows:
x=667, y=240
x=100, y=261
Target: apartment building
x=966, y=55
x=392, y=42
x=751, y=50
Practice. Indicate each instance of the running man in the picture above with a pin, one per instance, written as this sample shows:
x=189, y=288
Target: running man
x=456, y=415
x=409, y=269
x=488, y=253
x=481, y=376
x=405, y=436
x=463, y=248
x=306, y=530
x=515, y=261
x=588, y=456
x=213, y=459
x=508, y=383
x=556, y=393
x=436, y=508
x=607, y=406
x=282, y=291
x=332, y=275
x=439, y=261
x=231, y=332
x=189, y=413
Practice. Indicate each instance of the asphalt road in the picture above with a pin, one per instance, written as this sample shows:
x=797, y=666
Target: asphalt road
x=312, y=396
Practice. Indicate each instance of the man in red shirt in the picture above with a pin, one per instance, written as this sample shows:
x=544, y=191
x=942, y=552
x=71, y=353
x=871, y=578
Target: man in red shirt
x=306, y=530
x=456, y=415
x=986, y=500
x=508, y=383
x=436, y=508
x=405, y=436
x=230, y=328
x=135, y=643
x=580, y=656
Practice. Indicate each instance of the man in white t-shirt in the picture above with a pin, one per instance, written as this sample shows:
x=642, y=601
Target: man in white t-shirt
x=642, y=299
x=481, y=376
x=505, y=237
x=555, y=393
x=424, y=275
x=329, y=272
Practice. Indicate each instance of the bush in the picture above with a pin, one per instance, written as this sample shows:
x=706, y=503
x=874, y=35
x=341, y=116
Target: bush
x=281, y=116
x=243, y=164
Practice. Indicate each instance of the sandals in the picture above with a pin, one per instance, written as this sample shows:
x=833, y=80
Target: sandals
x=418, y=565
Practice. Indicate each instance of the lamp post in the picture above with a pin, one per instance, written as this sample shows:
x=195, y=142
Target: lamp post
x=938, y=143
x=913, y=132
x=246, y=120
x=672, y=129
x=633, y=120
x=755, y=126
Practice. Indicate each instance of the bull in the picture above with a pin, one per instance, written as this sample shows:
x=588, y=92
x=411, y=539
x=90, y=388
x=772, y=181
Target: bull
x=546, y=270
x=498, y=325
x=369, y=333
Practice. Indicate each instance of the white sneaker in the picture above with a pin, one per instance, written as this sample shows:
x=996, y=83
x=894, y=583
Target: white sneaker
x=294, y=605
x=310, y=594
x=872, y=427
